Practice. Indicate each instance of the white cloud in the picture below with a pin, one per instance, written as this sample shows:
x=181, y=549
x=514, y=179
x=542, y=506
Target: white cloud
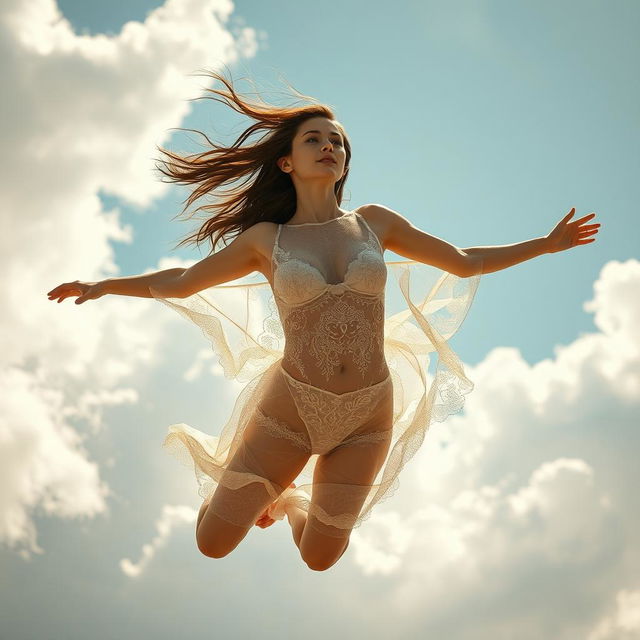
x=520, y=512
x=524, y=502
x=531, y=491
x=80, y=115
x=43, y=462
x=624, y=622
x=171, y=517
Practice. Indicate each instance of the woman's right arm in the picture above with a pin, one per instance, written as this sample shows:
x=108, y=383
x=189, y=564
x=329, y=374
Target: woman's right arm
x=125, y=286
x=239, y=258
x=139, y=285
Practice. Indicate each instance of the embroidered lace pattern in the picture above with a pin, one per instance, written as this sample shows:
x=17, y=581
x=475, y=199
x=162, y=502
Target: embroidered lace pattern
x=331, y=417
x=319, y=325
x=328, y=324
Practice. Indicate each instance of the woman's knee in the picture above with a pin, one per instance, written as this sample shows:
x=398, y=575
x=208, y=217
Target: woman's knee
x=217, y=547
x=217, y=538
x=210, y=550
x=321, y=558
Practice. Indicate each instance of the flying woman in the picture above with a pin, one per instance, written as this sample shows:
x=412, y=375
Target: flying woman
x=338, y=396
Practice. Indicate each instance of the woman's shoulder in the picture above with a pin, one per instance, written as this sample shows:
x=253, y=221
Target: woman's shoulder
x=378, y=218
x=262, y=236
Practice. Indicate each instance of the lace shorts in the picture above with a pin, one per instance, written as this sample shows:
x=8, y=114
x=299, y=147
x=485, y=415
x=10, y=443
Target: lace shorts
x=319, y=421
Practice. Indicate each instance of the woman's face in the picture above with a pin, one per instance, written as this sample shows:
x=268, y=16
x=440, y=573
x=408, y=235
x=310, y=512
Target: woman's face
x=315, y=139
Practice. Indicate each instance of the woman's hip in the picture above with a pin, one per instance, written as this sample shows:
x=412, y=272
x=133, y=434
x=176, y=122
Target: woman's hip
x=325, y=417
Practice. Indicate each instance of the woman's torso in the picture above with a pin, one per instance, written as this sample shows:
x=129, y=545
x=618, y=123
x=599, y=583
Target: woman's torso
x=328, y=280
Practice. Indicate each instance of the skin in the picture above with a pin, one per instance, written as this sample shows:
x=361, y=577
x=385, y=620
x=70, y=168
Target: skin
x=251, y=251
x=315, y=181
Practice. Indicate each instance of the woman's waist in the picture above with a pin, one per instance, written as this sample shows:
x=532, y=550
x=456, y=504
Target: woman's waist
x=338, y=375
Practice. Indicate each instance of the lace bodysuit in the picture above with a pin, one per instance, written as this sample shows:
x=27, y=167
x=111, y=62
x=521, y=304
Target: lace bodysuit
x=329, y=288
x=323, y=366
x=329, y=284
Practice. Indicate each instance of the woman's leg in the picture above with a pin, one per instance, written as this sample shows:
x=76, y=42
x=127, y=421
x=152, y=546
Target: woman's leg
x=297, y=518
x=203, y=508
x=341, y=483
x=238, y=501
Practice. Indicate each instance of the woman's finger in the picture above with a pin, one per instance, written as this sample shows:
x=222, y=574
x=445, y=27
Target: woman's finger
x=587, y=217
x=68, y=289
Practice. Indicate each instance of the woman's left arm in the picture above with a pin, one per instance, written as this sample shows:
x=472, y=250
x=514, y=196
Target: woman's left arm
x=564, y=236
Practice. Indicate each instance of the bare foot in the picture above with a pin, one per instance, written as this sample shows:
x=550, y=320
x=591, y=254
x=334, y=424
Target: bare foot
x=264, y=520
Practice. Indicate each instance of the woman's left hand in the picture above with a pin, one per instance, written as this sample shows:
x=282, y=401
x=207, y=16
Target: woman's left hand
x=569, y=234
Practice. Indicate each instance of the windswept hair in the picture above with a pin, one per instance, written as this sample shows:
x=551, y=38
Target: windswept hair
x=267, y=193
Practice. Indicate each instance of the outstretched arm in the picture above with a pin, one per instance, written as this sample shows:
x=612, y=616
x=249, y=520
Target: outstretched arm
x=138, y=286
x=399, y=235
x=239, y=258
x=564, y=236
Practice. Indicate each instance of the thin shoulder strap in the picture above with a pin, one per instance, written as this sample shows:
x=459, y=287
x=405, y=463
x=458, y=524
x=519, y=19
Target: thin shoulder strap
x=276, y=247
x=370, y=230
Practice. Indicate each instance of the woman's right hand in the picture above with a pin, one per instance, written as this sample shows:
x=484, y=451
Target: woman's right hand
x=84, y=291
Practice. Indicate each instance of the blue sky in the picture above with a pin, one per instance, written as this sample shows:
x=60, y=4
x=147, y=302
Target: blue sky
x=489, y=133
x=483, y=123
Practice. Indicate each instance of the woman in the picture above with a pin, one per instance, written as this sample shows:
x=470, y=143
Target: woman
x=346, y=401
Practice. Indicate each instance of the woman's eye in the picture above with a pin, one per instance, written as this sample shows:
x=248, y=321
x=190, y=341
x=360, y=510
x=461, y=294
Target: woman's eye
x=314, y=138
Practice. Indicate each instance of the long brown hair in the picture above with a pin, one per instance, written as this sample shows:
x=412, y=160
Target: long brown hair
x=271, y=194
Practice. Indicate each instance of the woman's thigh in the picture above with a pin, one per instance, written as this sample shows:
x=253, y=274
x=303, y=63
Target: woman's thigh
x=342, y=480
x=263, y=460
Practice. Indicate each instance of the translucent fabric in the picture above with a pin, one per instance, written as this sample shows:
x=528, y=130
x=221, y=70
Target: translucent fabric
x=339, y=395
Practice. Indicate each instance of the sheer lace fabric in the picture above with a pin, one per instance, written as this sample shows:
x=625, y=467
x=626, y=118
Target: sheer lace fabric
x=337, y=396
x=329, y=285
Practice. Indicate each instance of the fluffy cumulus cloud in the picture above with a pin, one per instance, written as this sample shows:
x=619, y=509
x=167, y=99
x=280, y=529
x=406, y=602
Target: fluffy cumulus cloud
x=170, y=517
x=520, y=513
x=623, y=620
x=81, y=114
x=529, y=498
x=525, y=501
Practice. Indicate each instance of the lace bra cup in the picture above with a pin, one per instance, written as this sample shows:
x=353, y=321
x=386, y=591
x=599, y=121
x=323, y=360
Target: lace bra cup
x=296, y=281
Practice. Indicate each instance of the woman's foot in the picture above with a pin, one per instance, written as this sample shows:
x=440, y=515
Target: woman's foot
x=265, y=520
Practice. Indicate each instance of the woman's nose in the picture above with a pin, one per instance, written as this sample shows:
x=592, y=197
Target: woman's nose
x=327, y=145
